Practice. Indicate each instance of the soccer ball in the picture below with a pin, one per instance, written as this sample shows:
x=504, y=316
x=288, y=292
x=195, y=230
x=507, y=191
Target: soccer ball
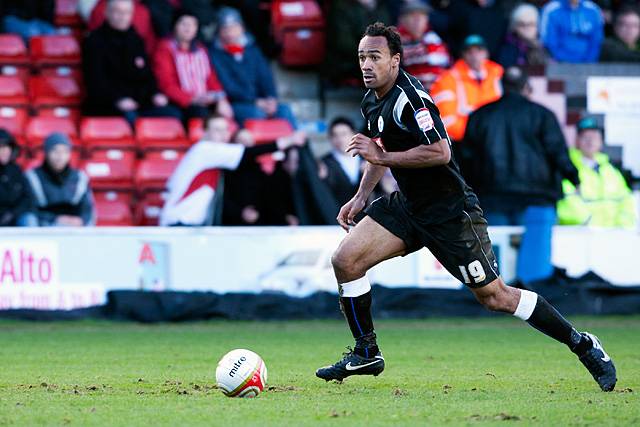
x=241, y=373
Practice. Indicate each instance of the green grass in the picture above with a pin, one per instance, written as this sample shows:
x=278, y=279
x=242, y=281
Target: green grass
x=439, y=372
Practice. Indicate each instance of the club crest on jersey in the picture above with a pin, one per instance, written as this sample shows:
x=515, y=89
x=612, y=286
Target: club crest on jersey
x=424, y=119
x=380, y=124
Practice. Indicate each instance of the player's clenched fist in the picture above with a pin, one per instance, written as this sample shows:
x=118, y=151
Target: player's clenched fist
x=364, y=146
x=349, y=211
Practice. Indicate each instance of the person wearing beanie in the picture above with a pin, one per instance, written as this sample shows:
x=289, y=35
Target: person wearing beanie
x=184, y=72
x=16, y=201
x=244, y=72
x=62, y=194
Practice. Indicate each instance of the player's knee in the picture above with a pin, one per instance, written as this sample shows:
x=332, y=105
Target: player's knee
x=496, y=301
x=344, y=264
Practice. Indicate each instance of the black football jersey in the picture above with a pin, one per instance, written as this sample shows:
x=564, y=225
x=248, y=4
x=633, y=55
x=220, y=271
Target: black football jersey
x=404, y=118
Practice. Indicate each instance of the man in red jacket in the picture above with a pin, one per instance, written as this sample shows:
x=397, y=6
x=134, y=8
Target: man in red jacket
x=184, y=73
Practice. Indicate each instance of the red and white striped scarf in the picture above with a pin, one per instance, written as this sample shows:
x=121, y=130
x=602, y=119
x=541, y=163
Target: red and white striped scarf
x=193, y=68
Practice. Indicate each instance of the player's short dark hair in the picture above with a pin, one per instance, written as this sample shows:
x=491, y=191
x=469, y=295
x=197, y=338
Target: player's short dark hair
x=340, y=121
x=379, y=29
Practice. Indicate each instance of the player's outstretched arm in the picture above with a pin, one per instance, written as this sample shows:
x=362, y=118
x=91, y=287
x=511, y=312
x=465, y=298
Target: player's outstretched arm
x=371, y=177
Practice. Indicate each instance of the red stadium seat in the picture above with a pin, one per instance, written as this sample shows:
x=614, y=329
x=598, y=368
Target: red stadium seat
x=155, y=168
x=196, y=128
x=12, y=91
x=106, y=132
x=55, y=91
x=110, y=169
x=54, y=50
x=73, y=114
x=298, y=26
x=66, y=13
x=268, y=130
x=147, y=209
x=13, y=51
x=38, y=128
x=161, y=133
x=111, y=210
x=22, y=72
x=13, y=120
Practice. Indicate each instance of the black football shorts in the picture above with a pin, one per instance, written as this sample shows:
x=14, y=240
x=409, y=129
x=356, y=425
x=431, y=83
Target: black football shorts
x=460, y=244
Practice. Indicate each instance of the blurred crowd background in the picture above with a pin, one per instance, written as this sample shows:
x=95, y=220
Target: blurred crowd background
x=201, y=112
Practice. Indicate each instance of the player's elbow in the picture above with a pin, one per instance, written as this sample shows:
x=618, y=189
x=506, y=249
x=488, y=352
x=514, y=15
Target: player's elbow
x=445, y=152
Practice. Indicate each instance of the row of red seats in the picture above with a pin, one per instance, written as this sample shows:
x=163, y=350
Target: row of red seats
x=120, y=208
x=44, y=91
x=44, y=51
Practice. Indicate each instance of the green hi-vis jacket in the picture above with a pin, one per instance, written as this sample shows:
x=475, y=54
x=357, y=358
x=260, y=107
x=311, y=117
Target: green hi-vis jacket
x=604, y=199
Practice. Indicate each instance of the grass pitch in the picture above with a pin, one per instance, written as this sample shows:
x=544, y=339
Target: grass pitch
x=439, y=372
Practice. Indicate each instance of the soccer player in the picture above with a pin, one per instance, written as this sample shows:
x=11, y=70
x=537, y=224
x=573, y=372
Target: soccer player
x=434, y=208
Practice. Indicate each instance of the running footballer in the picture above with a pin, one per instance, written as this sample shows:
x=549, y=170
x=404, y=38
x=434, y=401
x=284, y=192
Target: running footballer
x=434, y=208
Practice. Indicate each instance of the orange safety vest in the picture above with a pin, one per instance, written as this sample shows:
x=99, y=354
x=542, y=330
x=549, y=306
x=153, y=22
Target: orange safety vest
x=457, y=93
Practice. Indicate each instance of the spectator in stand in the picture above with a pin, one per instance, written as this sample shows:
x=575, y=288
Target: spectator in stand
x=572, y=30
x=28, y=18
x=425, y=55
x=346, y=22
x=184, y=72
x=472, y=82
x=192, y=185
x=163, y=12
x=62, y=194
x=117, y=72
x=141, y=22
x=258, y=192
x=624, y=45
x=482, y=17
x=522, y=45
x=603, y=198
x=244, y=72
x=519, y=157
x=339, y=170
x=16, y=201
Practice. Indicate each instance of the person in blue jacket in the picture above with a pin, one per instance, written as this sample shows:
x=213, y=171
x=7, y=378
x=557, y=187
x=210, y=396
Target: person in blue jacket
x=244, y=71
x=572, y=30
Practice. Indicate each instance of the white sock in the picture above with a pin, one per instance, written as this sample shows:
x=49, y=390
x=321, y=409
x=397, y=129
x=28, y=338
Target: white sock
x=355, y=288
x=526, y=305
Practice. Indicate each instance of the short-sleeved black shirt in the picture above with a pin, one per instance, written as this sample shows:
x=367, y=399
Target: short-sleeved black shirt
x=405, y=118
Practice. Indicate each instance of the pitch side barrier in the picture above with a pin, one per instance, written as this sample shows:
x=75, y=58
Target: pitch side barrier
x=159, y=274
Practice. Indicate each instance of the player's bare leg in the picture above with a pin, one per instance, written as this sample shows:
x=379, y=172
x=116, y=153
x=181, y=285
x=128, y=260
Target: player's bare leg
x=537, y=312
x=366, y=245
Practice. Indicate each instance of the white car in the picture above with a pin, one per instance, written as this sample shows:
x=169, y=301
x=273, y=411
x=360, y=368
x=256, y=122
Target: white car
x=301, y=273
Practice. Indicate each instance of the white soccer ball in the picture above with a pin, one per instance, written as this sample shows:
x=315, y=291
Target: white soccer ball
x=241, y=373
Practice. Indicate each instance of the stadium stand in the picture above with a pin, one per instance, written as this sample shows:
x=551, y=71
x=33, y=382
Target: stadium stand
x=299, y=28
x=106, y=132
x=13, y=50
x=38, y=128
x=110, y=169
x=155, y=168
x=268, y=130
x=161, y=133
x=54, y=50
x=13, y=91
x=113, y=208
x=54, y=91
